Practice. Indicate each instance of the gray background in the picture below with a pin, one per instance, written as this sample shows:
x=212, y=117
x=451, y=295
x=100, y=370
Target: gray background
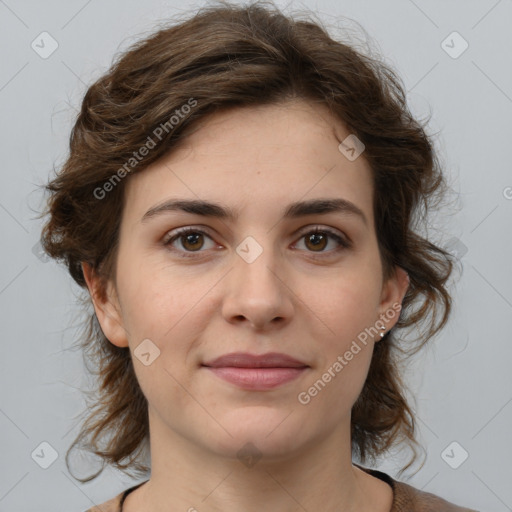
x=462, y=383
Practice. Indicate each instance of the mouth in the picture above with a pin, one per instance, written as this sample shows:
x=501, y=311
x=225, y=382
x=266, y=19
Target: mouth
x=256, y=372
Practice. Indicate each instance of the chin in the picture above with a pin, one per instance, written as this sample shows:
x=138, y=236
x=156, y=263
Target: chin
x=262, y=431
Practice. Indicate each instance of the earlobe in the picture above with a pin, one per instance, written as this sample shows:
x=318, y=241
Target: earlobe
x=106, y=306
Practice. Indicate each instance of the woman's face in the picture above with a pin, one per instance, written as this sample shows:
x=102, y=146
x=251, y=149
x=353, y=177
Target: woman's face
x=259, y=282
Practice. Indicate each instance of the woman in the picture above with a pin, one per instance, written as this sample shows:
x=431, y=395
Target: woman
x=240, y=202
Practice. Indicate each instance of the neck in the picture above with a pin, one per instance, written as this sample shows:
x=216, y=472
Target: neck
x=188, y=477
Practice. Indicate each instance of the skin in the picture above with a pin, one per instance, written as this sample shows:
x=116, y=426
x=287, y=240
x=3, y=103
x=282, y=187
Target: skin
x=257, y=160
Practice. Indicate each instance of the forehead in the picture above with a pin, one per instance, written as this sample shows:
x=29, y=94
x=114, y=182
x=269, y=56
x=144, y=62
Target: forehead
x=257, y=159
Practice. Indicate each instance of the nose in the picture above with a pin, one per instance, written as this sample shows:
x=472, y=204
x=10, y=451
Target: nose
x=258, y=293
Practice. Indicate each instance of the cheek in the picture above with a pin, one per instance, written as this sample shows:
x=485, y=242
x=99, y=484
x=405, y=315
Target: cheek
x=342, y=370
x=173, y=312
x=156, y=298
x=349, y=310
x=350, y=306
x=334, y=388
x=173, y=322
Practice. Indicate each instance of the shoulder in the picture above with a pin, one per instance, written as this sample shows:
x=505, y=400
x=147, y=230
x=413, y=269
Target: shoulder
x=407, y=498
x=112, y=505
x=115, y=504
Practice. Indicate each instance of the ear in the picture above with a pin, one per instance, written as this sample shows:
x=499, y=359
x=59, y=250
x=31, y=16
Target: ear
x=106, y=305
x=393, y=292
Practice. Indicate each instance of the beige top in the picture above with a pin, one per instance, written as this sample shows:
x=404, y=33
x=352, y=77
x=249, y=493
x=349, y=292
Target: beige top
x=405, y=498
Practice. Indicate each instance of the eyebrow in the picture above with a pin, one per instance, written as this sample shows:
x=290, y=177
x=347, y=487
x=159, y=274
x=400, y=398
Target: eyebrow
x=294, y=210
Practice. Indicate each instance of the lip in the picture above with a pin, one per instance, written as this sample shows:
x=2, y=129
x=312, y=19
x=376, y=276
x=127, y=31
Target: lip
x=247, y=360
x=256, y=372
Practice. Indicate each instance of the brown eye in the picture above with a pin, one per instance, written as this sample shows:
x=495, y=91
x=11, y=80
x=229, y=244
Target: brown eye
x=191, y=241
x=316, y=241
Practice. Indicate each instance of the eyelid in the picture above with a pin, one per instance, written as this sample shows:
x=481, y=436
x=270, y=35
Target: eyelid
x=174, y=233
x=324, y=229
x=341, y=238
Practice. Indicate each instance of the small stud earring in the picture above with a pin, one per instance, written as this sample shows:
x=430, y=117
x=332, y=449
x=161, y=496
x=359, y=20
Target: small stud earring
x=382, y=333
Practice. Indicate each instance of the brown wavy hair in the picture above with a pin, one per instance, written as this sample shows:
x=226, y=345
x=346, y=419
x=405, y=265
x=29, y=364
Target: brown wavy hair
x=224, y=56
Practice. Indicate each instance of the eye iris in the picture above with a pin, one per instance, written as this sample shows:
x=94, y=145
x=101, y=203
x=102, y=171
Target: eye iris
x=192, y=241
x=192, y=236
x=315, y=238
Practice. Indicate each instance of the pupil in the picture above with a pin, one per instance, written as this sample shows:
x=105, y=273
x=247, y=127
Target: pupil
x=190, y=238
x=318, y=238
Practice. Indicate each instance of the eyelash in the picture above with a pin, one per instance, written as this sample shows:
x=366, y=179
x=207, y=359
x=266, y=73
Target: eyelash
x=344, y=242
